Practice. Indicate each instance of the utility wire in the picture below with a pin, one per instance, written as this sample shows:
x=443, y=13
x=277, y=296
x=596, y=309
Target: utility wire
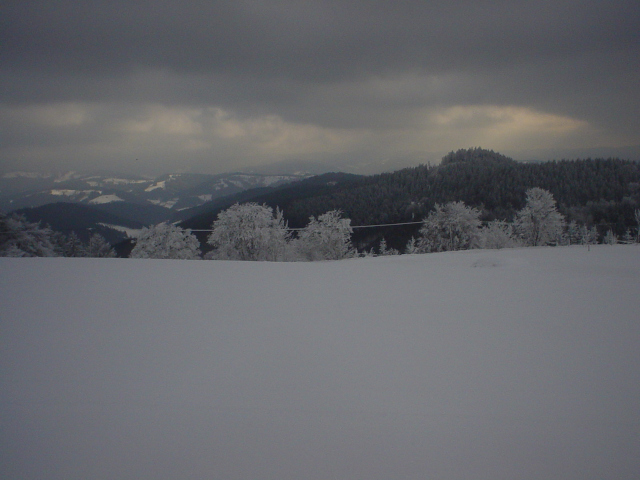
x=389, y=225
x=352, y=226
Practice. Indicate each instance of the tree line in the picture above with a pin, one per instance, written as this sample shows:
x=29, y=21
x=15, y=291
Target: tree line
x=253, y=232
x=474, y=198
x=21, y=238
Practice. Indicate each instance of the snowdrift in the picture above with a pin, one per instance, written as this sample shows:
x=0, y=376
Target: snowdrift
x=507, y=364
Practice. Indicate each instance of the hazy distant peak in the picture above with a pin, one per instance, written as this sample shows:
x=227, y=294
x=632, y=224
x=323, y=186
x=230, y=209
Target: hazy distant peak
x=476, y=154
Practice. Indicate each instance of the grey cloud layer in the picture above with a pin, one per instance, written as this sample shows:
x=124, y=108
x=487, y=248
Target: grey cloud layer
x=308, y=40
x=334, y=64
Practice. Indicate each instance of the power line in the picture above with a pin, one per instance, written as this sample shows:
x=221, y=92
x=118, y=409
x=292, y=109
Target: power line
x=352, y=226
x=389, y=225
x=386, y=224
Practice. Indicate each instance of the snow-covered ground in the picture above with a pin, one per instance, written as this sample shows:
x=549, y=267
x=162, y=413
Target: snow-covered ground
x=513, y=364
x=105, y=199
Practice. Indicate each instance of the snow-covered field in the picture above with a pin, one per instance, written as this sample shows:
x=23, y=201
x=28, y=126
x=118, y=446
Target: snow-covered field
x=485, y=365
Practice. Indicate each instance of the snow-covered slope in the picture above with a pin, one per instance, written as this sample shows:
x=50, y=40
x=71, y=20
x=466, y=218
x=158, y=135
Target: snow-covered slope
x=175, y=191
x=513, y=364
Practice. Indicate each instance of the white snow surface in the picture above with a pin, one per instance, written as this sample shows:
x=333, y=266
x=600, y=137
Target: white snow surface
x=270, y=180
x=105, y=199
x=26, y=175
x=168, y=204
x=63, y=177
x=162, y=185
x=511, y=364
x=123, y=181
x=71, y=193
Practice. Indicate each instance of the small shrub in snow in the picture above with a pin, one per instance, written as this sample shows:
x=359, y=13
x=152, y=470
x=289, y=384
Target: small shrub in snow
x=166, y=241
x=497, y=234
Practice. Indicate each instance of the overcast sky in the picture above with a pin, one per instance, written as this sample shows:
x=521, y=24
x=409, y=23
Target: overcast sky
x=216, y=86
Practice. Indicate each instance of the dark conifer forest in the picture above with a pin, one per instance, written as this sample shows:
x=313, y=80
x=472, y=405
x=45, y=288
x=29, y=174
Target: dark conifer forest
x=594, y=192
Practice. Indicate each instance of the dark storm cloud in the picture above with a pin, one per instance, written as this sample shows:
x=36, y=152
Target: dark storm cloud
x=333, y=64
x=313, y=41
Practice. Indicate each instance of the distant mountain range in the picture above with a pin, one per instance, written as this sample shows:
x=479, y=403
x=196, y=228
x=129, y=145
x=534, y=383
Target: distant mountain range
x=176, y=191
x=113, y=205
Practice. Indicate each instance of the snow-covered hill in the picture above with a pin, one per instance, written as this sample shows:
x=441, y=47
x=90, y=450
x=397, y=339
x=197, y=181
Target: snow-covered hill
x=512, y=364
x=174, y=191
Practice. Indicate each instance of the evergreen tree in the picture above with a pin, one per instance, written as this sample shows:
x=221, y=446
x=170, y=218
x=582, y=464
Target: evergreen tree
x=610, y=238
x=412, y=247
x=572, y=235
x=19, y=238
x=72, y=246
x=588, y=236
x=628, y=237
x=98, y=247
x=385, y=250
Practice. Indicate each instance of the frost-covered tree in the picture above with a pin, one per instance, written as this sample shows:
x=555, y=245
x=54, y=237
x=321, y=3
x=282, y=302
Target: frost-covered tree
x=627, y=237
x=326, y=238
x=610, y=238
x=69, y=245
x=588, y=236
x=385, y=250
x=571, y=235
x=249, y=232
x=497, y=234
x=166, y=241
x=539, y=222
x=20, y=238
x=412, y=246
x=453, y=226
x=98, y=247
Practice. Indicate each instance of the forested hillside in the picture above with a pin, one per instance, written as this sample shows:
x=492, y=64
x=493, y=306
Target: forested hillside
x=83, y=220
x=594, y=192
